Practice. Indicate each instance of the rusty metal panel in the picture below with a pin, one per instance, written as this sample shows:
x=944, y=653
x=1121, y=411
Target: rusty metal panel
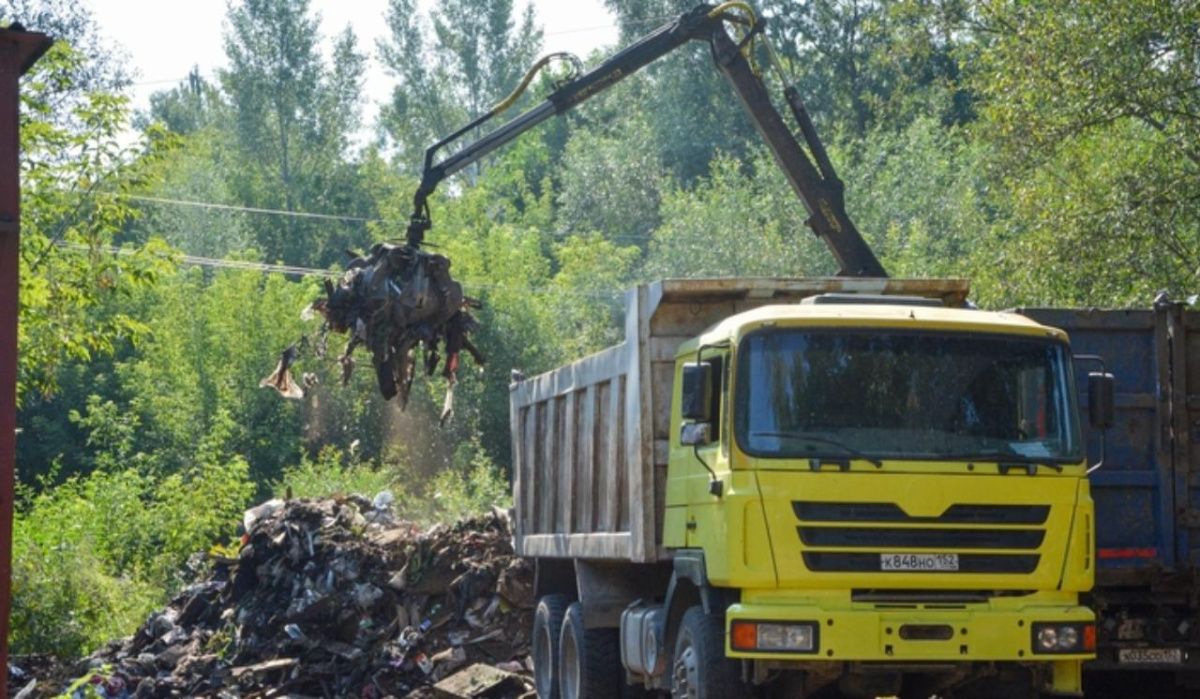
x=19, y=50
x=1134, y=491
x=567, y=461
x=953, y=292
x=1187, y=436
x=585, y=521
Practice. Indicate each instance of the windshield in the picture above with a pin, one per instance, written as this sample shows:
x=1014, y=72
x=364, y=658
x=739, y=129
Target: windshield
x=905, y=395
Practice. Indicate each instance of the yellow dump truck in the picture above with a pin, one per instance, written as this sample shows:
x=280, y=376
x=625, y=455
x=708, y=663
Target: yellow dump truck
x=824, y=487
x=854, y=486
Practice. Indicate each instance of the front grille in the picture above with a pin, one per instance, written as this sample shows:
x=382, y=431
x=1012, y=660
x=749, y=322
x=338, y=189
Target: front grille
x=826, y=562
x=930, y=598
x=875, y=537
x=810, y=511
x=989, y=538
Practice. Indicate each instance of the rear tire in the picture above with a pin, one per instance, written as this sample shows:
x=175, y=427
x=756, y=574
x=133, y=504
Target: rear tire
x=700, y=669
x=589, y=660
x=547, y=623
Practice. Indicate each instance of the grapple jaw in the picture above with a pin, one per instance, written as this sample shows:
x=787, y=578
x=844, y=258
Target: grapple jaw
x=394, y=300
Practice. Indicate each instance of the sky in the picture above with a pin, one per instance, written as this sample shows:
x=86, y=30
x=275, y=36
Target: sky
x=165, y=38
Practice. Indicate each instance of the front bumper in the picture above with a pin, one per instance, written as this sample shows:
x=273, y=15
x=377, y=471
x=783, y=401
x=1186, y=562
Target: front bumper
x=887, y=635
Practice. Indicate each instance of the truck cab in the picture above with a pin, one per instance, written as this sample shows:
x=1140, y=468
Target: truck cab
x=809, y=488
x=884, y=481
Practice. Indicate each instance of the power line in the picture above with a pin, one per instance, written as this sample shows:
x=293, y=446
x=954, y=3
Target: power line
x=294, y=270
x=334, y=217
x=248, y=209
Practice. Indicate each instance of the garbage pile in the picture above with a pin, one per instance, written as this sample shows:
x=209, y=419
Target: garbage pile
x=335, y=598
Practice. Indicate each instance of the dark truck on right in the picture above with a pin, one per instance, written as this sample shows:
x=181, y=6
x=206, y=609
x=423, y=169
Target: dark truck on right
x=1146, y=492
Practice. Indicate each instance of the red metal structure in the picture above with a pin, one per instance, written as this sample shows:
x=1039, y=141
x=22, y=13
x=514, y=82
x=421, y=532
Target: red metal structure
x=19, y=50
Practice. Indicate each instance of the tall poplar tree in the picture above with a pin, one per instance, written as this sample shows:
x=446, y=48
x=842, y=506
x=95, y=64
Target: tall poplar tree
x=295, y=118
x=450, y=67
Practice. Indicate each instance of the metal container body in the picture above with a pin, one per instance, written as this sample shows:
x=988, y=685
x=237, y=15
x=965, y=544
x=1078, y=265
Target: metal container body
x=1147, y=492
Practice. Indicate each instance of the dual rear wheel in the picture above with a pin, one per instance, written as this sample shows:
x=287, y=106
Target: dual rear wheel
x=574, y=662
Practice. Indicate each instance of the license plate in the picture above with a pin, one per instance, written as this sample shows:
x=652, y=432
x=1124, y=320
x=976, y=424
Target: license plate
x=1150, y=656
x=918, y=561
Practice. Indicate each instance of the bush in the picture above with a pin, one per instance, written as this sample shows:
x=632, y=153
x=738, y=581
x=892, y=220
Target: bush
x=456, y=492
x=96, y=554
x=336, y=472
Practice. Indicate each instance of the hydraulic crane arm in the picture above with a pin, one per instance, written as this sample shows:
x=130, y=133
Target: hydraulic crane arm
x=817, y=185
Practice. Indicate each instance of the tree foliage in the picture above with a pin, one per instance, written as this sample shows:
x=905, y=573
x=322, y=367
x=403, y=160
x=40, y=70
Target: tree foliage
x=294, y=116
x=74, y=174
x=1094, y=114
x=450, y=67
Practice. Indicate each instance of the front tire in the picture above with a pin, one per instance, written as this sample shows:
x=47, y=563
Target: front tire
x=700, y=669
x=589, y=660
x=547, y=623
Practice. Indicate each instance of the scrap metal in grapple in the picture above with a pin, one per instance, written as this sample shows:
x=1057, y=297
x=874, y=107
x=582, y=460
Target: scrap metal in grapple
x=393, y=299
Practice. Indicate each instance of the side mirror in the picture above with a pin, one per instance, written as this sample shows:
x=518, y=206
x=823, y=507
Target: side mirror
x=1101, y=405
x=696, y=400
x=695, y=434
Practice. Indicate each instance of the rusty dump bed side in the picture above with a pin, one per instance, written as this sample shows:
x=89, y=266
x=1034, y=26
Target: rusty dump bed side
x=1147, y=492
x=589, y=439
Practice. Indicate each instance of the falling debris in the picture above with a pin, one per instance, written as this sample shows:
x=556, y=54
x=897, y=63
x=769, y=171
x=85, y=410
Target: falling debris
x=335, y=598
x=281, y=379
x=392, y=300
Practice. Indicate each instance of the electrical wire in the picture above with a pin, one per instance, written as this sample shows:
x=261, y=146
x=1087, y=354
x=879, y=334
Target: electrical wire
x=295, y=270
x=560, y=235
x=248, y=209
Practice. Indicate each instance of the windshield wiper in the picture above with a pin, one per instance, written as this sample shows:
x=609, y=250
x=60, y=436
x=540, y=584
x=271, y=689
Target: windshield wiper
x=823, y=440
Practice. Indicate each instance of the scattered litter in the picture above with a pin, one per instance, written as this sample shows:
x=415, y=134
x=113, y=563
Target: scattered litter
x=480, y=681
x=281, y=379
x=322, y=600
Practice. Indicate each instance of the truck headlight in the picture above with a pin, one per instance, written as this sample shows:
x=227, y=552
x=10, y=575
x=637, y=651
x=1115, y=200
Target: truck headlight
x=1064, y=638
x=773, y=637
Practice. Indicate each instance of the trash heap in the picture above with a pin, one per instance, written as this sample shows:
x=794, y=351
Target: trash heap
x=335, y=598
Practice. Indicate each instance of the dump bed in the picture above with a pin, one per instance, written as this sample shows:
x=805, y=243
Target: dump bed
x=1147, y=492
x=589, y=439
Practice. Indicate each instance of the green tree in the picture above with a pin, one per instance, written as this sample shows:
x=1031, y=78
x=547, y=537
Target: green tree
x=736, y=224
x=196, y=172
x=451, y=68
x=921, y=197
x=862, y=64
x=75, y=173
x=63, y=86
x=294, y=118
x=692, y=111
x=612, y=181
x=1094, y=115
x=192, y=105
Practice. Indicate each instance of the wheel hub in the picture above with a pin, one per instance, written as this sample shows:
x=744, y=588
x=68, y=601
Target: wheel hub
x=685, y=684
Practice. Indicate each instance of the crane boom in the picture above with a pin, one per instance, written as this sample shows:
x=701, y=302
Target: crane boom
x=817, y=185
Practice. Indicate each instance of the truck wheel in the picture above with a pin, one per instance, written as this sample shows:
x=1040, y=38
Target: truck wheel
x=547, y=621
x=589, y=660
x=700, y=669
